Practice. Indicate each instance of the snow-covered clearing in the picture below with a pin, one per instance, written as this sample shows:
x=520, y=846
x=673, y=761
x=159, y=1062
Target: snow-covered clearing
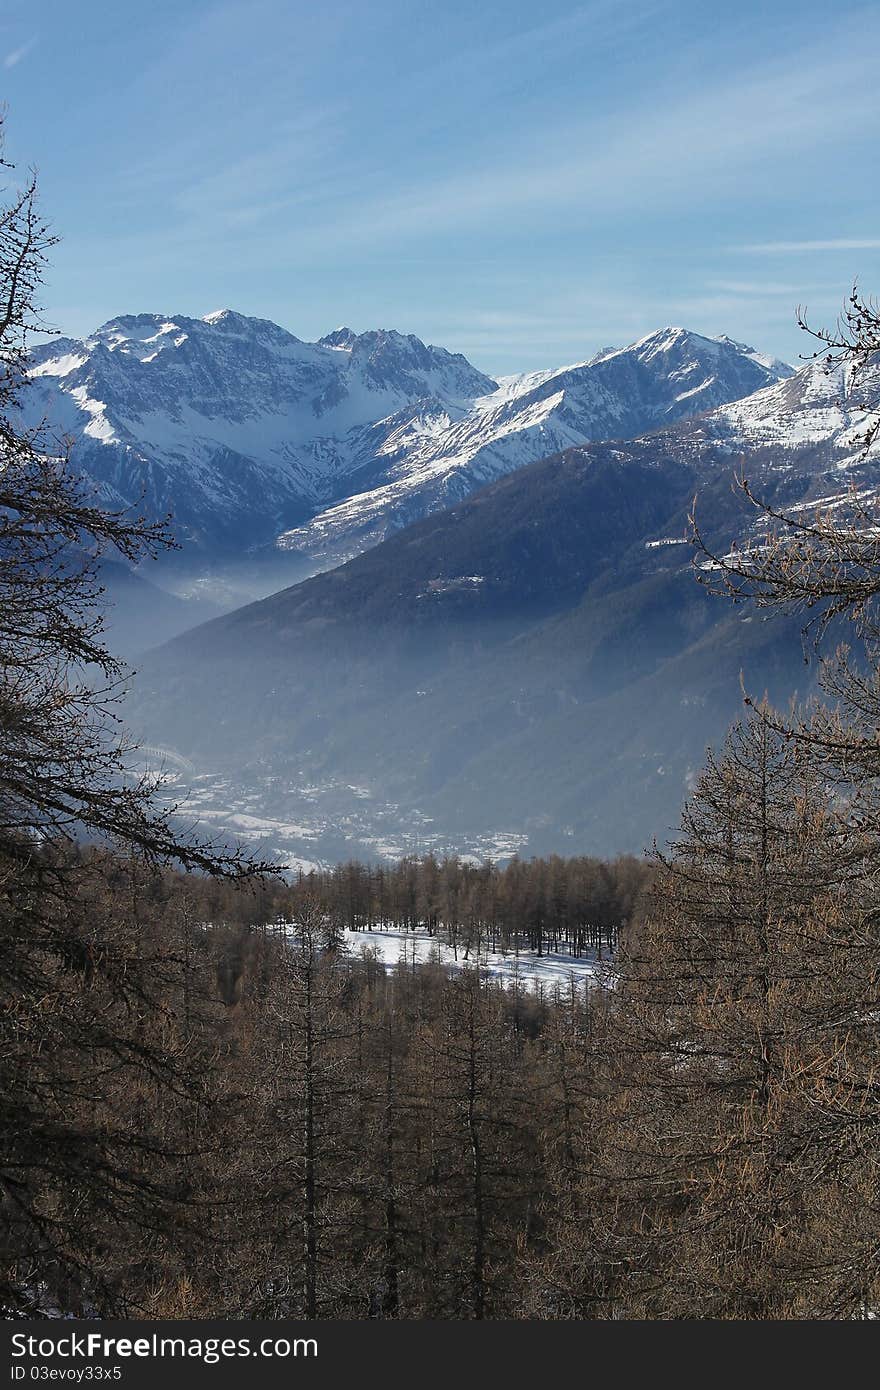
x=540, y=975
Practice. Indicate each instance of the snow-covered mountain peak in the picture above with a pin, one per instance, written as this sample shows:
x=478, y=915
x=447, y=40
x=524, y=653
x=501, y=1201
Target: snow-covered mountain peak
x=682, y=344
x=661, y=340
x=142, y=336
x=676, y=340
x=385, y=352
x=341, y=338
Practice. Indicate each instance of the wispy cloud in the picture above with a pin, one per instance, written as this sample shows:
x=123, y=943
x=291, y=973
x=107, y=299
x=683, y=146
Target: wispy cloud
x=760, y=289
x=496, y=67
x=289, y=171
x=771, y=248
x=715, y=139
x=16, y=56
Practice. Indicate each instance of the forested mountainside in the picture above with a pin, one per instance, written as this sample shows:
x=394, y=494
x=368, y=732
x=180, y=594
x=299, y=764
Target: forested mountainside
x=595, y=1150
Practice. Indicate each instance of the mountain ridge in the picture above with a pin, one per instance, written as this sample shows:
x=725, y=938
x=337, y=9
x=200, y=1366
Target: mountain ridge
x=248, y=434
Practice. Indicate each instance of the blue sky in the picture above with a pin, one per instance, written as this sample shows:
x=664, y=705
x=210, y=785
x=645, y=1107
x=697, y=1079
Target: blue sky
x=524, y=183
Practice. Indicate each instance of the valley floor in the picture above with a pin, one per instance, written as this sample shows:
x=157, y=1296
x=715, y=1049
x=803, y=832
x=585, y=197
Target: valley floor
x=307, y=826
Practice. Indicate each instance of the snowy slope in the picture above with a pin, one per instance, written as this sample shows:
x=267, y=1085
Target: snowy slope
x=435, y=460
x=816, y=407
